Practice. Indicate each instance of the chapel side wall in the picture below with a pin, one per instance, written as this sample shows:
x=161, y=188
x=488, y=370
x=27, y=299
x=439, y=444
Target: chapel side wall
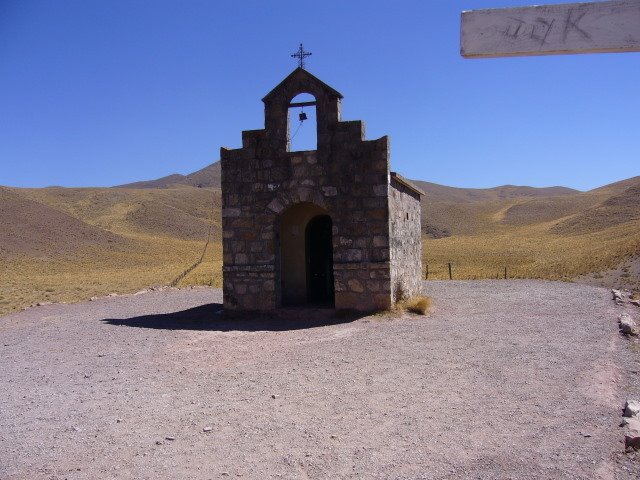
x=405, y=240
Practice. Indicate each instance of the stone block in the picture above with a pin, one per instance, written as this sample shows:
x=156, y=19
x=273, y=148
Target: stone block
x=373, y=285
x=353, y=255
x=378, y=214
x=249, y=235
x=329, y=191
x=230, y=212
x=380, y=190
x=355, y=285
x=379, y=254
x=257, y=247
x=380, y=241
x=275, y=205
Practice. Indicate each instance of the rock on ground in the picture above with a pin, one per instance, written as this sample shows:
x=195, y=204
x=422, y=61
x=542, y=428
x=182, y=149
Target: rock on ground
x=627, y=325
x=631, y=408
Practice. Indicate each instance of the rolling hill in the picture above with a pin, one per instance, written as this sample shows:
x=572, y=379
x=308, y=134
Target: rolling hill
x=67, y=244
x=208, y=177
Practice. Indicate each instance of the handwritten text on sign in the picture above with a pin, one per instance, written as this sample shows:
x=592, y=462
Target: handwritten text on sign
x=595, y=27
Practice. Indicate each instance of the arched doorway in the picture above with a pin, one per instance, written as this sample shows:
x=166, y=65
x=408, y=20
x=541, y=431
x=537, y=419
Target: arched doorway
x=319, y=261
x=306, y=256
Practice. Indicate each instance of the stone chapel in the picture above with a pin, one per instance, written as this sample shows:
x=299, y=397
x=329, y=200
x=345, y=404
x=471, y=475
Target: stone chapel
x=327, y=227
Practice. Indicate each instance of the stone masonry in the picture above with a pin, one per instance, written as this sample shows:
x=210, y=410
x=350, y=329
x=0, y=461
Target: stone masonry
x=374, y=213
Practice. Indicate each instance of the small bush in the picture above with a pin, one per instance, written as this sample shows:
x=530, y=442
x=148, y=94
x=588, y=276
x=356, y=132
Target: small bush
x=418, y=304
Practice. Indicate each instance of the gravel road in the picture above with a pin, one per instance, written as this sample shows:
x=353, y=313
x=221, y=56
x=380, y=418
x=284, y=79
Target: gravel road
x=506, y=379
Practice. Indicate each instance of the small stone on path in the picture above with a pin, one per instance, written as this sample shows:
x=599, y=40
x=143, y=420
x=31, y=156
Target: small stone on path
x=632, y=435
x=632, y=408
x=627, y=325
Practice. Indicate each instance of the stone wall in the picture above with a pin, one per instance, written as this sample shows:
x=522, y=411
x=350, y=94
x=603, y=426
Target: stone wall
x=405, y=239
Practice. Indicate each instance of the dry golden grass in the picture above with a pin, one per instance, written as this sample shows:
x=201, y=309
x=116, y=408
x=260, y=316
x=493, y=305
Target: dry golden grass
x=29, y=281
x=530, y=252
x=154, y=251
x=420, y=305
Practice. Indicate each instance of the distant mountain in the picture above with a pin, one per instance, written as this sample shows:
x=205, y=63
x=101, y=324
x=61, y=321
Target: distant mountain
x=442, y=193
x=208, y=177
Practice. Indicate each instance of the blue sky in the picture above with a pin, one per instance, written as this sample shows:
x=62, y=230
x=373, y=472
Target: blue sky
x=99, y=93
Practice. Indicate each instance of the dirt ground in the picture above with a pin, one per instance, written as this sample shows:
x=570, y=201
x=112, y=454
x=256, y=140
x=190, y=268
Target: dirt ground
x=506, y=379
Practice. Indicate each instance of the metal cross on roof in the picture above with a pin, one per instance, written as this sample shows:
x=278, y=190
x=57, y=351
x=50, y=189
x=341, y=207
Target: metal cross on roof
x=300, y=55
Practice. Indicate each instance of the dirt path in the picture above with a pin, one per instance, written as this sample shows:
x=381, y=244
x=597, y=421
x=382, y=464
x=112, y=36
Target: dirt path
x=507, y=379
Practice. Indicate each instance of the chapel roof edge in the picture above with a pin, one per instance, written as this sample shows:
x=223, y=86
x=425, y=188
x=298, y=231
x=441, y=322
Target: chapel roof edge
x=295, y=76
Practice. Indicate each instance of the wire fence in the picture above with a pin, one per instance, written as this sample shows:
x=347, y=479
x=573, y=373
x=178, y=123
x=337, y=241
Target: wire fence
x=449, y=269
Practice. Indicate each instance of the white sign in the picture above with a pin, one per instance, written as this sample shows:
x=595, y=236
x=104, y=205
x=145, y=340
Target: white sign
x=594, y=27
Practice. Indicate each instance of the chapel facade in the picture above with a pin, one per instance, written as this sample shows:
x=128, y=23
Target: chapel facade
x=328, y=227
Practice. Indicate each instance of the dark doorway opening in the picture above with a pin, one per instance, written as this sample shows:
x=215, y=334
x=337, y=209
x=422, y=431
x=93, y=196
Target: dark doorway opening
x=319, y=259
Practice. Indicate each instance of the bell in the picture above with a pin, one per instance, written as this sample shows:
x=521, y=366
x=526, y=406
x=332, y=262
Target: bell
x=303, y=116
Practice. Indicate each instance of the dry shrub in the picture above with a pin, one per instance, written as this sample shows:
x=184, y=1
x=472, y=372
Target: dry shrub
x=418, y=304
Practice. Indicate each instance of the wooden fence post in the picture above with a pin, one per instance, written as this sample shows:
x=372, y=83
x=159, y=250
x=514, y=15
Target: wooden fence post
x=505, y=273
x=450, y=276
x=426, y=277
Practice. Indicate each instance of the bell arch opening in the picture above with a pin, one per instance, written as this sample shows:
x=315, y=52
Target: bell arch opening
x=302, y=123
x=306, y=256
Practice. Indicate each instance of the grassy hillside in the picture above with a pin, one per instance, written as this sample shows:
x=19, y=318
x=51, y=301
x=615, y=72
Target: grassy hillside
x=84, y=242
x=555, y=237
x=68, y=244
